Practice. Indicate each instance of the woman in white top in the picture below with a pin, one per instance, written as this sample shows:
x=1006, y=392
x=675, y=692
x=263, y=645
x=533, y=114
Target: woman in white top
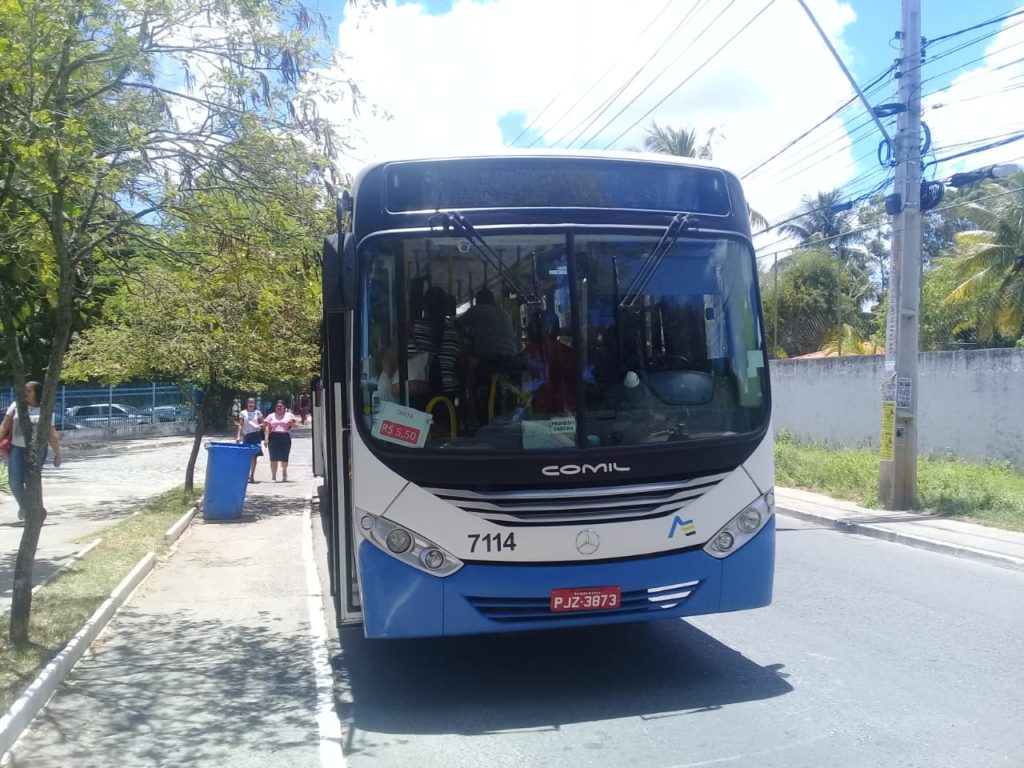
x=250, y=432
x=19, y=455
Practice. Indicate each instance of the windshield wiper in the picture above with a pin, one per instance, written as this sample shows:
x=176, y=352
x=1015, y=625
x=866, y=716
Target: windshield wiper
x=455, y=220
x=650, y=265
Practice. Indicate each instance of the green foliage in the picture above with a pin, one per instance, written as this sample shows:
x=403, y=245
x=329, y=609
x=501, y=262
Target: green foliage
x=990, y=493
x=126, y=128
x=681, y=142
x=988, y=265
x=811, y=297
x=238, y=306
x=77, y=591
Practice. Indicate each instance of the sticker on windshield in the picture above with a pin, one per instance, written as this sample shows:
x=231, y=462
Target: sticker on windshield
x=550, y=433
x=401, y=425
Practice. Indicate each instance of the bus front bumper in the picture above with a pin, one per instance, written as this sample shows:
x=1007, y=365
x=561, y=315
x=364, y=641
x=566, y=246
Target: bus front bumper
x=400, y=601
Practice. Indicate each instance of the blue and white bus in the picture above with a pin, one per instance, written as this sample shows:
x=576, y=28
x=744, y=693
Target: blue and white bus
x=544, y=399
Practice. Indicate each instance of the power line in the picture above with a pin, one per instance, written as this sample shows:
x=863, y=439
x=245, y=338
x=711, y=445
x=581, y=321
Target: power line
x=644, y=90
x=976, y=97
x=772, y=249
x=595, y=84
x=813, y=156
x=817, y=125
x=975, y=61
x=976, y=150
x=707, y=61
x=846, y=71
x=996, y=20
x=824, y=140
x=604, y=106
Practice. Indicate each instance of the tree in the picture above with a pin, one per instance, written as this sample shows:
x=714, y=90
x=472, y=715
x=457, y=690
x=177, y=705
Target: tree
x=824, y=217
x=802, y=300
x=682, y=142
x=239, y=307
x=98, y=144
x=989, y=264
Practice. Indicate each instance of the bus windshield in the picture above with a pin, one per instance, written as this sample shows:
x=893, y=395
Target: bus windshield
x=454, y=356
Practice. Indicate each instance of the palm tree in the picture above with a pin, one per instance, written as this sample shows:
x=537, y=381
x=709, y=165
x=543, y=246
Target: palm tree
x=682, y=142
x=822, y=217
x=990, y=261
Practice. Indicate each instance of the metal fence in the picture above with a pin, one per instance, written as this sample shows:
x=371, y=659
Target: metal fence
x=118, y=410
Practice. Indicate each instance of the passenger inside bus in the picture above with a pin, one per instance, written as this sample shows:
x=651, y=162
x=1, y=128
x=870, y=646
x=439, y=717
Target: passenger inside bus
x=550, y=367
x=493, y=350
x=434, y=352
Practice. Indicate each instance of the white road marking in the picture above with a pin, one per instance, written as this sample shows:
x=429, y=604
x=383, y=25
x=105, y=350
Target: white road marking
x=331, y=754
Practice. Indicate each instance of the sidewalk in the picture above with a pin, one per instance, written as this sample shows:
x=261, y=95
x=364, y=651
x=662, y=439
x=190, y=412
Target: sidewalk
x=937, y=534
x=89, y=492
x=209, y=663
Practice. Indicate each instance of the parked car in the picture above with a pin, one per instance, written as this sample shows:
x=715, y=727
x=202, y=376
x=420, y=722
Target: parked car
x=165, y=413
x=84, y=416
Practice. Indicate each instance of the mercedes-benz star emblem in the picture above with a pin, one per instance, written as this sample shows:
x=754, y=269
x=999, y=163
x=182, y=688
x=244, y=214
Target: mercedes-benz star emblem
x=587, y=542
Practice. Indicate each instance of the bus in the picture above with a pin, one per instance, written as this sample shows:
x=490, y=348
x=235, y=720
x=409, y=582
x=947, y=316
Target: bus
x=544, y=398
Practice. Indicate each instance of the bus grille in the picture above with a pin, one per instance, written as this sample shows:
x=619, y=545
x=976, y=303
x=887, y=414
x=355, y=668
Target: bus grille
x=636, y=602
x=572, y=506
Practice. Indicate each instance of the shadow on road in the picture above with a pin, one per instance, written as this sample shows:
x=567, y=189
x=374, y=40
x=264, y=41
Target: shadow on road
x=264, y=506
x=193, y=693
x=542, y=681
x=42, y=569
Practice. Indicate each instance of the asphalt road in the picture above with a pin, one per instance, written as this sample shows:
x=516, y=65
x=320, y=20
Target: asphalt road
x=873, y=654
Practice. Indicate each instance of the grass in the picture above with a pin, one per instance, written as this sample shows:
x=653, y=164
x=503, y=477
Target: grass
x=61, y=607
x=991, y=493
x=5, y=486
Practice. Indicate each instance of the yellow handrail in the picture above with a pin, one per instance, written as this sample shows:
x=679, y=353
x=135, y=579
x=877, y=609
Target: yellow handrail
x=521, y=396
x=451, y=411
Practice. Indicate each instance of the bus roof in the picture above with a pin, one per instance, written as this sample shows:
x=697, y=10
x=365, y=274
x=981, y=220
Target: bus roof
x=635, y=157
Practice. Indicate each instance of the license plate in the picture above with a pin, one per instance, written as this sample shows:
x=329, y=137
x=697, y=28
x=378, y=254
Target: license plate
x=586, y=599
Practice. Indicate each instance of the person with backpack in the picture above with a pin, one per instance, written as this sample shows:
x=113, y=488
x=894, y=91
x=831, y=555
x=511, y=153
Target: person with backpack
x=434, y=352
x=18, y=452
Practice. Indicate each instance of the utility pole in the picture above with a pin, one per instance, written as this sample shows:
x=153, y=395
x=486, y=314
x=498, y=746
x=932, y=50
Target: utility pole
x=898, y=443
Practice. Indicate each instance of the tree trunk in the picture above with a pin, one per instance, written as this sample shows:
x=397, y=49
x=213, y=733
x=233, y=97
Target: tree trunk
x=190, y=469
x=21, y=595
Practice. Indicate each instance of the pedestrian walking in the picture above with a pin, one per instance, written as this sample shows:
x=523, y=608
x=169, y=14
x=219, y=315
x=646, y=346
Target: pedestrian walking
x=278, y=426
x=304, y=404
x=250, y=432
x=18, y=458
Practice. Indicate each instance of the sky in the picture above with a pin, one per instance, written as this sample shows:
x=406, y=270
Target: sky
x=443, y=77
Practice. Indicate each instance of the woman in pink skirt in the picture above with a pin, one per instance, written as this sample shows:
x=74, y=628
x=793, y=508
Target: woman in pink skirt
x=278, y=426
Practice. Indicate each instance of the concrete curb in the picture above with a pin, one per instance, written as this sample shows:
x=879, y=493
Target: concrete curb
x=74, y=558
x=174, y=532
x=29, y=704
x=919, y=542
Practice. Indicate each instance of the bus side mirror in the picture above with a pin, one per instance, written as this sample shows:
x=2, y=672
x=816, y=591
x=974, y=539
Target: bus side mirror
x=339, y=273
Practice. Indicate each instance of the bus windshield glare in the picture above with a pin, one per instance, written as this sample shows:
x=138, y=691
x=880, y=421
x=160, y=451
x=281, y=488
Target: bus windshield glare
x=454, y=357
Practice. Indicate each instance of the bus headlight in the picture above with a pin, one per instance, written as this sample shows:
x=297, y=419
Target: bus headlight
x=399, y=541
x=433, y=558
x=742, y=527
x=408, y=546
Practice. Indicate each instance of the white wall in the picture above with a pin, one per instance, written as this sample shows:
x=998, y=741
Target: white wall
x=970, y=403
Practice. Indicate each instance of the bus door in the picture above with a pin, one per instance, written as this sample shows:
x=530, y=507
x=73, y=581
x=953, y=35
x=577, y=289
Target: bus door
x=336, y=498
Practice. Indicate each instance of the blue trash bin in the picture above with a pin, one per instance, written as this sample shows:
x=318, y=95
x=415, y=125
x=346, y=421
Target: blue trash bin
x=227, y=475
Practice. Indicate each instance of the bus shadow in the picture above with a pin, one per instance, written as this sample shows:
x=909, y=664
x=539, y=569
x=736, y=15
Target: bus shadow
x=541, y=680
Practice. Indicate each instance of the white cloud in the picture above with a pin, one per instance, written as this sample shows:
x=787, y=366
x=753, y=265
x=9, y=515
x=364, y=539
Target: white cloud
x=982, y=102
x=447, y=79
